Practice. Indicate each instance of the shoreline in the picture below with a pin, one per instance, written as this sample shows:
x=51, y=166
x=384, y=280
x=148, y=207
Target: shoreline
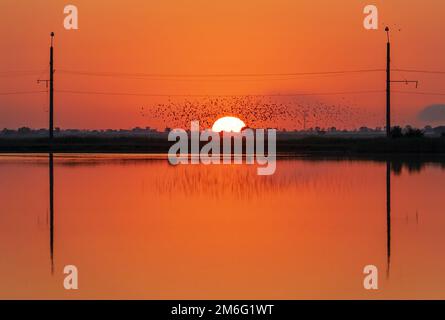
x=310, y=146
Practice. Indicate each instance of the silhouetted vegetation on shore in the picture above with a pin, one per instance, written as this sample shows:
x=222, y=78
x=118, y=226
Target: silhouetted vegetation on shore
x=404, y=144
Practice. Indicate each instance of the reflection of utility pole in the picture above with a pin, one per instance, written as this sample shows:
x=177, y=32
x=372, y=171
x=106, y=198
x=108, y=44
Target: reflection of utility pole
x=388, y=216
x=51, y=210
x=388, y=84
x=50, y=82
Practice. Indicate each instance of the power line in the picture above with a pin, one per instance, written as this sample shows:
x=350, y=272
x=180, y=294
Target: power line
x=214, y=75
x=20, y=92
x=109, y=93
x=422, y=93
x=203, y=75
x=215, y=79
x=13, y=73
x=18, y=71
x=211, y=95
x=419, y=71
x=18, y=74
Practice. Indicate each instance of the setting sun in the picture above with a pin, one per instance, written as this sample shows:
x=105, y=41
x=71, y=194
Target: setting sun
x=228, y=124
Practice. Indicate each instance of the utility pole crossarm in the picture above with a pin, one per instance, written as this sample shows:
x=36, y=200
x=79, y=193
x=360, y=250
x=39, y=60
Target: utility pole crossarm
x=46, y=82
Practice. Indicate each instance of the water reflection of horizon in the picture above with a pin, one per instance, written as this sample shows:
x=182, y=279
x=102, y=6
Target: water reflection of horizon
x=411, y=165
x=285, y=181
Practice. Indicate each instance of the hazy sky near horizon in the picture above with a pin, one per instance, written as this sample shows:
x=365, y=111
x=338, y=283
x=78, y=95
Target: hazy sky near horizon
x=215, y=37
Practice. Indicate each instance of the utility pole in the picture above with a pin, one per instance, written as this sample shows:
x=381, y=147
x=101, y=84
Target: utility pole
x=51, y=88
x=388, y=84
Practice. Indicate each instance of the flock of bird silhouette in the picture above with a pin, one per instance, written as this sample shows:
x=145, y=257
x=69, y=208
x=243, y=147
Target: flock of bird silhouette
x=256, y=111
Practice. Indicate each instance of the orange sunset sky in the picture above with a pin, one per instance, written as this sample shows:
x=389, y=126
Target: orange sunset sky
x=216, y=37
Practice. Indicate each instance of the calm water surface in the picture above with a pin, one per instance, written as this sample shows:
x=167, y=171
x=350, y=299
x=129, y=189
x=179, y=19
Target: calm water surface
x=137, y=227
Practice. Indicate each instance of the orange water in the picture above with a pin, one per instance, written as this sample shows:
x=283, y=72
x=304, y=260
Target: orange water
x=137, y=227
